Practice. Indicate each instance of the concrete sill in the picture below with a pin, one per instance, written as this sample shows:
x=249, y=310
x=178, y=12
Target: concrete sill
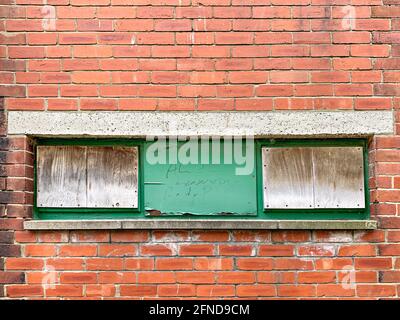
x=174, y=224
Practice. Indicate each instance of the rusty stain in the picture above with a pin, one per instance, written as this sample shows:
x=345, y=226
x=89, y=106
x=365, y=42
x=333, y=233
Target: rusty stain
x=154, y=213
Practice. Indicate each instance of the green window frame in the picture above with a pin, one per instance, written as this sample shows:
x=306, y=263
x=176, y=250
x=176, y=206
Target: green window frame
x=314, y=213
x=260, y=212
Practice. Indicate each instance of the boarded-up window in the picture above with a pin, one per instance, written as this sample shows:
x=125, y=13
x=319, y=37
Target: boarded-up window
x=313, y=177
x=89, y=177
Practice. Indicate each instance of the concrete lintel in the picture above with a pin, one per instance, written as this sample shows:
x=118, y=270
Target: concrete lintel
x=229, y=123
x=173, y=224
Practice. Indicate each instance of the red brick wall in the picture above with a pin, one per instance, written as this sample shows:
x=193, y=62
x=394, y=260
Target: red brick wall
x=199, y=55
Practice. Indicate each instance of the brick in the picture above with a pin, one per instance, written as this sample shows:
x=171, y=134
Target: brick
x=352, y=37
x=254, y=263
x=119, y=250
x=98, y=104
x=65, y=263
x=289, y=51
x=213, y=263
x=173, y=104
x=292, y=264
x=334, y=290
x=180, y=290
x=23, y=264
x=104, y=264
x=25, y=236
x=274, y=90
x=159, y=12
x=100, y=291
x=215, y=104
x=290, y=236
x=64, y=291
x=232, y=12
x=389, y=276
x=12, y=277
x=18, y=291
x=378, y=290
x=296, y=291
x=174, y=264
x=366, y=76
x=157, y=249
x=351, y=63
x=9, y=250
x=90, y=236
x=116, y=12
x=139, y=263
x=77, y=250
x=173, y=25
x=196, y=250
x=32, y=250
x=353, y=89
x=332, y=264
x=357, y=250
x=24, y=104
x=156, y=277
x=288, y=76
x=254, y=104
x=373, y=263
x=138, y=290
x=112, y=277
x=236, y=277
x=327, y=50
x=62, y=104
x=233, y=64
x=389, y=249
x=316, y=277
x=6, y=237
x=276, y=250
x=170, y=51
x=53, y=236
x=236, y=250
x=207, y=236
x=78, y=277
x=169, y=77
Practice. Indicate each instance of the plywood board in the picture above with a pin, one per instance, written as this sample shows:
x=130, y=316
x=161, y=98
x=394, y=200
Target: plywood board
x=338, y=177
x=61, y=176
x=112, y=177
x=287, y=178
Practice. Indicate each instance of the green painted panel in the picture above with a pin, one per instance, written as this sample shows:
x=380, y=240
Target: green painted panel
x=176, y=187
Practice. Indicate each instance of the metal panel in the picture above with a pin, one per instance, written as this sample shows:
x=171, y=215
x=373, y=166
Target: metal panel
x=288, y=178
x=199, y=189
x=112, y=180
x=338, y=177
x=61, y=176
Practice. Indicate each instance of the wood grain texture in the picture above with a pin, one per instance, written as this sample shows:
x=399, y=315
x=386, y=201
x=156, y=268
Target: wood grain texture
x=61, y=176
x=87, y=177
x=313, y=177
x=338, y=177
x=112, y=180
x=288, y=178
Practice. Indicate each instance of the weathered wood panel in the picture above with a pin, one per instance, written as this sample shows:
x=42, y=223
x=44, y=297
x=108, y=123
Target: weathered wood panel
x=338, y=177
x=112, y=177
x=61, y=176
x=288, y=178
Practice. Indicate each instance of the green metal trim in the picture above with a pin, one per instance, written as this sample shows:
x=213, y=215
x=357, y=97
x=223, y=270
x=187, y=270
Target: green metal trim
x=271, y=214
x=311, y=214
